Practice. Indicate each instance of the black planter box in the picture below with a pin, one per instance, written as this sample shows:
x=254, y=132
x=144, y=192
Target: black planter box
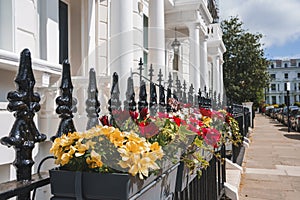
x=91, y=186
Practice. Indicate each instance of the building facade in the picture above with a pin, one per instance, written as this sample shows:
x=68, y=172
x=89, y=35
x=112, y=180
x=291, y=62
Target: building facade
x=110, y=36
x=283, y=73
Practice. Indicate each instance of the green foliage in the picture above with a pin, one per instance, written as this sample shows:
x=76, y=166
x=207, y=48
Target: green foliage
x=245, y=68
x=297, y=104
x=282, y=105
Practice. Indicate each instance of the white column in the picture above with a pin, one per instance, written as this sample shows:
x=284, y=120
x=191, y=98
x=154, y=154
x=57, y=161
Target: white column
x=121, y=41
x=218, y=89
x=194, y=68
x=92, y=37
x=221, y=80
x=156, y=38
x=203, y=63
x=215, y=75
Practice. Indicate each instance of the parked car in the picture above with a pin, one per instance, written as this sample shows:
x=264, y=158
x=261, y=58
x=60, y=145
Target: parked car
x=269, y=110
x=278, y=110
x=295, y=121
x=274, y=113
x=292, y=112
x=280, y=114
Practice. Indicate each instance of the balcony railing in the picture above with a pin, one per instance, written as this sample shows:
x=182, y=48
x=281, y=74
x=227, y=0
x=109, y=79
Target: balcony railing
x=25, y=102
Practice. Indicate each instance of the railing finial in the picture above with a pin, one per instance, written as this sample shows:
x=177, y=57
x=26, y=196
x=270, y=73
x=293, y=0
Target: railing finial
x=24, y=134
x=92, y=103
x=141, y=69
x=184, y=100
x=66, y=103
x=129, y=103
x=151, y=70
x=190, y=95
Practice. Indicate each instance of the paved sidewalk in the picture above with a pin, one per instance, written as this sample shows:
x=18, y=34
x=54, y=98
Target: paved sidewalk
x=272, y=163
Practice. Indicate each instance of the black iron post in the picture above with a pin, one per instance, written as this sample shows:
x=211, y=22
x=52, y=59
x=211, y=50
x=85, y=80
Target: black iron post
x=114, y=102
x=288, y=110
x=129, y=103
x=190, y=95
x=153, y=95
x=288, y=88
x=92, y=103
x=24, y=134
x=162, y=98
x=66, y=103
x=169, y=92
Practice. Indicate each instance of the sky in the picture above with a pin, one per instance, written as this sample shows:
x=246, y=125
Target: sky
x=277, y=20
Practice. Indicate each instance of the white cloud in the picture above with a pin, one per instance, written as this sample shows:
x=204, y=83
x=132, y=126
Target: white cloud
x=277, y=20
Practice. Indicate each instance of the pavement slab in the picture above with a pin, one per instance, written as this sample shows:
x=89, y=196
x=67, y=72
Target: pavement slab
x=272, y=163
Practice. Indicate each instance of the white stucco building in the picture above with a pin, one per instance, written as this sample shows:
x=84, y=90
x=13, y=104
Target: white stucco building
x=283, y=72
x=109, y=35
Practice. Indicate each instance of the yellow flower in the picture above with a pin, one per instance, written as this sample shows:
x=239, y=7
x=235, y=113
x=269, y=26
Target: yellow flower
x=106, y=130
x=81, y=148
x=207, y=121
x=134, y=137
x=141, y=166
x=90, y=144
x=140, y=157
x=156, y=151
x=65, y=158
x=116, y=137
x=94, y=161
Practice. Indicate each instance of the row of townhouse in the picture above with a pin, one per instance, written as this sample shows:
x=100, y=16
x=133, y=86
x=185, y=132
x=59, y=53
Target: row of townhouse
x=110, y=36
x=283, y=73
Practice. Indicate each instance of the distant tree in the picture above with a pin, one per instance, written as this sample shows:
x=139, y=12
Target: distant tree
x=245, y=68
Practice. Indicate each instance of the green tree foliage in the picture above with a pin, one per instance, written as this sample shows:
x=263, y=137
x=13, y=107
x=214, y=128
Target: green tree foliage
x=245, y=68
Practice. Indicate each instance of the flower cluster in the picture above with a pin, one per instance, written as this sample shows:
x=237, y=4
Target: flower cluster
x=107, y=149
x=137, y=143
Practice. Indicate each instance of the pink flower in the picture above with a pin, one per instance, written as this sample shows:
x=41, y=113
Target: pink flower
x=211, y=136
x=217, y=114
x=148, y=129
x=162, y=115
x=194, y=129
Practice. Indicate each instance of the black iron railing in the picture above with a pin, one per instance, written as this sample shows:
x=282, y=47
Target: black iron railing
x=24, y=134
x=243, y=117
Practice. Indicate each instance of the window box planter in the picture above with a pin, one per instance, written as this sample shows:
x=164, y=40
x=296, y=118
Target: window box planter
x=91, y=186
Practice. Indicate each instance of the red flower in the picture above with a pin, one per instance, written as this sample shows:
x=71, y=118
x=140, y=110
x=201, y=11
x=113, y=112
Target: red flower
x=134, y=115
x=205, y=112
x=200, y=123
x=183, y=122
x=177, y=120
x=228, y=117
x=148, y=129
x=143, y=113
x=104, y=120
x=211, y=136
